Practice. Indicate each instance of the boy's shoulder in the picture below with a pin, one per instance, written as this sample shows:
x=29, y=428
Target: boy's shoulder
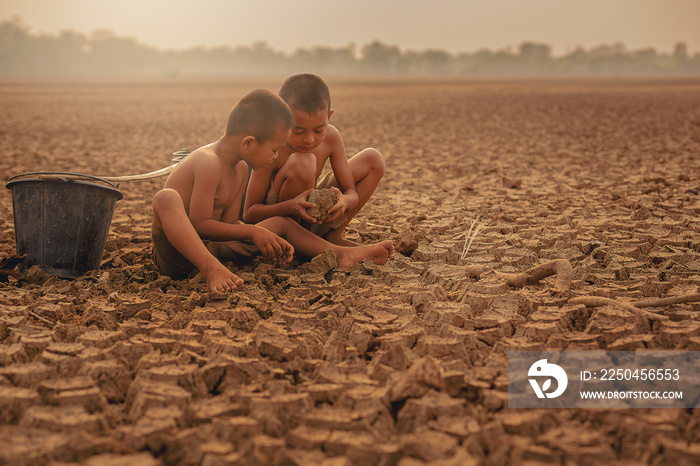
x=204, y=155
x=333, y=137
x=332, y=131
x=203, y=159
x=204, y=152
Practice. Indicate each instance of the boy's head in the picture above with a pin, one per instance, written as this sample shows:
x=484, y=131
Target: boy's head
x=259, y=114
x=263, y=121
x=310, y=100
x=306, y=92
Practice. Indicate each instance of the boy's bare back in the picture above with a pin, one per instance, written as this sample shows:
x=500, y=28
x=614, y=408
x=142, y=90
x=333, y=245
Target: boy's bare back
x=206, y=184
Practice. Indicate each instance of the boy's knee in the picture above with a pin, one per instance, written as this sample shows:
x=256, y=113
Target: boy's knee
x=278, y=225
x=165, y=199
x=375, y=159
x=301, y=166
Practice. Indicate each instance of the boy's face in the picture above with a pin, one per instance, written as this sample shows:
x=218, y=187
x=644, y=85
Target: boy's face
x=262, y=154
x=309, y=130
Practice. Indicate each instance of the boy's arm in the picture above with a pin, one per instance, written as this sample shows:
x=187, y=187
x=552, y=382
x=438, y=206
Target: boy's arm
x=207, y=177
x=255, y=209
x=232, y=214
x=347, y=196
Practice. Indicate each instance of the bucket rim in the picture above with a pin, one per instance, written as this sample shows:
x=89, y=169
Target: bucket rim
x=65, y=177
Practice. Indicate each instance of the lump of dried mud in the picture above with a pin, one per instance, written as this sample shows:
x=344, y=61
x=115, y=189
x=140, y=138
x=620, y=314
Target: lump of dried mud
x=512, y=183
x=324, y=199
x=424, y=374
x=407, y=242
x=323, y=263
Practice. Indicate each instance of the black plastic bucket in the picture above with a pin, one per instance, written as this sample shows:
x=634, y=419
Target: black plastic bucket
x=62, y=220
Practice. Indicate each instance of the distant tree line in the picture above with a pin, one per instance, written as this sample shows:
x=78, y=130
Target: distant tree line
x=102, y=53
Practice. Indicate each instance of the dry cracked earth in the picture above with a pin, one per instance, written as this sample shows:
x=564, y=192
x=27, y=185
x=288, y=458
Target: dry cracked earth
x=403, y=363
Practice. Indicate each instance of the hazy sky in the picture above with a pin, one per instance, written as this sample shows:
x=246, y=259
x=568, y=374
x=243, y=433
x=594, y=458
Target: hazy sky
x=453, y=25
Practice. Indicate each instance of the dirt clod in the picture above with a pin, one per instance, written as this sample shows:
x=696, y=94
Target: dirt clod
x=324, y=199
x=407, y=242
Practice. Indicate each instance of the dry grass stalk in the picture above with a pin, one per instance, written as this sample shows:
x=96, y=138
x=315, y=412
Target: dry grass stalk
x=38, y=317
x=472, y=233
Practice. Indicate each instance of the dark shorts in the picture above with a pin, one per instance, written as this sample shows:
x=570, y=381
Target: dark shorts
x=173, y=264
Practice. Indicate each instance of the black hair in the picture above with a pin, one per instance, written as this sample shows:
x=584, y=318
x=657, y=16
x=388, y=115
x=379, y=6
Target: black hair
x=259, y=114
x=306, y=92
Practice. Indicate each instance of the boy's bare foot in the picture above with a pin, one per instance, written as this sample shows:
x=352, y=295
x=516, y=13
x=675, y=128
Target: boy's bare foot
x=379, y=253
x=219, y=278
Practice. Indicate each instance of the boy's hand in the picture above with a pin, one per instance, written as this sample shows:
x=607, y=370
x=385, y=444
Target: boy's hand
x=340, y=207
x=272, y=245
x=299, y=205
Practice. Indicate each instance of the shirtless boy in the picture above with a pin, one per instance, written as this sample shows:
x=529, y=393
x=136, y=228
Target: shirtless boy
x=196, y=215
x=282, y=188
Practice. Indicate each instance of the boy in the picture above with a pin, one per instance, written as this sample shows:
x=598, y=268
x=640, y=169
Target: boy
x=202, y=198
x=283, y=187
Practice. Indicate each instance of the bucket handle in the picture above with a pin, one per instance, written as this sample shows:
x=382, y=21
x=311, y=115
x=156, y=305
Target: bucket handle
x=64, y=176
